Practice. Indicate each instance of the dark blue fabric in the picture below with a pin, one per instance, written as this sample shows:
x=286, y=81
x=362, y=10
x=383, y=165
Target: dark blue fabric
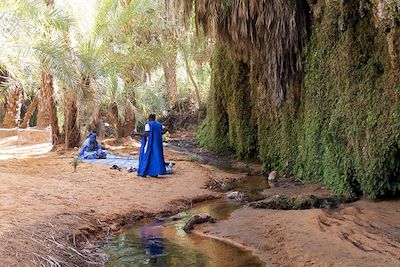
x=155, y=247
x=151, y=238
x=151, y=161
x=91, y=149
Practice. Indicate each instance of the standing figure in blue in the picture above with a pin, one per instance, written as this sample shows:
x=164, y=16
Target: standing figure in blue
x=151, y=157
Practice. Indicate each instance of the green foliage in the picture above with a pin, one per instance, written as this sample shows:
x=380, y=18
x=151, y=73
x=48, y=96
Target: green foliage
x=351, y=111
x=229, y=125
x=150, y=97
x=340, y=124
x=32, y=40
x=193, y=159
x=166, y=137
x=75, y=163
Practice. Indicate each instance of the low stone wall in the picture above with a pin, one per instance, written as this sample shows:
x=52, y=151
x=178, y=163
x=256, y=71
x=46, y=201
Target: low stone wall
x=8, y=132
x=28, y=136
x=35, y=136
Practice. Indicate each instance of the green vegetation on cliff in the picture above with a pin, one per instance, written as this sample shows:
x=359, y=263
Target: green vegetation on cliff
x=340, y=121
x=229, y=124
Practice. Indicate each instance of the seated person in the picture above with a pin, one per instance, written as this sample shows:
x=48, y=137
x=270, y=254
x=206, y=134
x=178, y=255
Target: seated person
x=91, y=149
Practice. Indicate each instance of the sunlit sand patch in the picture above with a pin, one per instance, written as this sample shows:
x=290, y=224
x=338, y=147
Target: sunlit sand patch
x=27, y=143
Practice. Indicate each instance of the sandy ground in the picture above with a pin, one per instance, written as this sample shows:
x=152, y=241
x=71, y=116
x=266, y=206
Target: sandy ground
x=47, y=210
x=360, y=234
x=10, y=148
x=50, y=215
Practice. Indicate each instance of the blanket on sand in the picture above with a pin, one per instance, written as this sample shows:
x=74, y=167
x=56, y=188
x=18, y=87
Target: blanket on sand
x=120, y=161
x=123, y=162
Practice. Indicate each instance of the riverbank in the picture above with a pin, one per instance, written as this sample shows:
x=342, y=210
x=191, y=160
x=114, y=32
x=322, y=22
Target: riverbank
x=363, y=233
x=358, y=234
x=52, y=215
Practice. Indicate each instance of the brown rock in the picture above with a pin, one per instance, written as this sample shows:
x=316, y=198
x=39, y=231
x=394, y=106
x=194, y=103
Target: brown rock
x=273, y=176
x=198, y=219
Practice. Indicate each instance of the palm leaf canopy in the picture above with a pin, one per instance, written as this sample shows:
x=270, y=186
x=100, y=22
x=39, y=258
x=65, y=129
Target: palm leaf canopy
x=270, y=34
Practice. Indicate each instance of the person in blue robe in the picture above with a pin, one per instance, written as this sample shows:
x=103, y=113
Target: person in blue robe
x=151, y=156
x=91, y=149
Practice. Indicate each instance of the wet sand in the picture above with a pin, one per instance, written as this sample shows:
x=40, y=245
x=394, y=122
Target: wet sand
x=363, y=233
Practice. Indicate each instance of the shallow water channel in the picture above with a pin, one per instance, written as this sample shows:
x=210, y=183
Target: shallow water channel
x=164, y=243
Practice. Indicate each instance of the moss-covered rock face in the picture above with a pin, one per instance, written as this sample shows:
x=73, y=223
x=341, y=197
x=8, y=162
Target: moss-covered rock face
x=340, y=122
x=229, y=125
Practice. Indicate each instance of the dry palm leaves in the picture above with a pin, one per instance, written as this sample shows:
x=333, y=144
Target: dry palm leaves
x=269, y=34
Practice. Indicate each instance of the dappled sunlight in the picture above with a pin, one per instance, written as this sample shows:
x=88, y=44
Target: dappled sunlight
x=12, y=149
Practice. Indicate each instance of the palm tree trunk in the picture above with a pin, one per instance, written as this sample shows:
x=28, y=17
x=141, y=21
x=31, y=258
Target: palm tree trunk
x=170, y=66
x=123, y=128
x=170, y=79
x=189, y=72
x=47, y=110
x=13, y=107
x=55, y=130
x=31, y=109
x=45, y=92
x=126, y=127
x=72, y=134
x=43, y=117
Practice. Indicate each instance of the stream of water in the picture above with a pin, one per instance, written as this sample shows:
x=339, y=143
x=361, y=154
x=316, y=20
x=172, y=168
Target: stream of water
x=164, y=243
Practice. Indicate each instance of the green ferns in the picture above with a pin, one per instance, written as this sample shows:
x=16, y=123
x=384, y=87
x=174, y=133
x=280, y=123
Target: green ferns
x=340, y=124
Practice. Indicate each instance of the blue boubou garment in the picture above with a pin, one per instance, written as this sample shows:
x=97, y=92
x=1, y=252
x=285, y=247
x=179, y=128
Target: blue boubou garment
x=151, y=157
x=91, y=149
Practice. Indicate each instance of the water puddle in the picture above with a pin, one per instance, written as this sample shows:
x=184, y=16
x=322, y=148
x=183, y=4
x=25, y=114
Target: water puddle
x=252, y=187
x=164, y=243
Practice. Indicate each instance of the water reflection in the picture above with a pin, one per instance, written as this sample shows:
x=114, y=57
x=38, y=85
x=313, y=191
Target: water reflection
x=252, y=183
x=146, y=246
x=220, y=209
x=152, y=241
x=252, y=187
x=163, y=243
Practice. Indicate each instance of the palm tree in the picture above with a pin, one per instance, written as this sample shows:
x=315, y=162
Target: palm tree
x=94, y=66
x=29, y=112
x=11, y=118
x=71, y=127
x=130, y=48
x=269, y=35
x=170, y=65
x=32, y=50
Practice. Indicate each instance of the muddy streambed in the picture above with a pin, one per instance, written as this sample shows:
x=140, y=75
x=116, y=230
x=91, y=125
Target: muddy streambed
x=162, y=242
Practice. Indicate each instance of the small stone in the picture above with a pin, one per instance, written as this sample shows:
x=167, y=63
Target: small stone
x=273, y=176
x=113, y=226
x=198, y=219
x=175, y=218
x=236, y=195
